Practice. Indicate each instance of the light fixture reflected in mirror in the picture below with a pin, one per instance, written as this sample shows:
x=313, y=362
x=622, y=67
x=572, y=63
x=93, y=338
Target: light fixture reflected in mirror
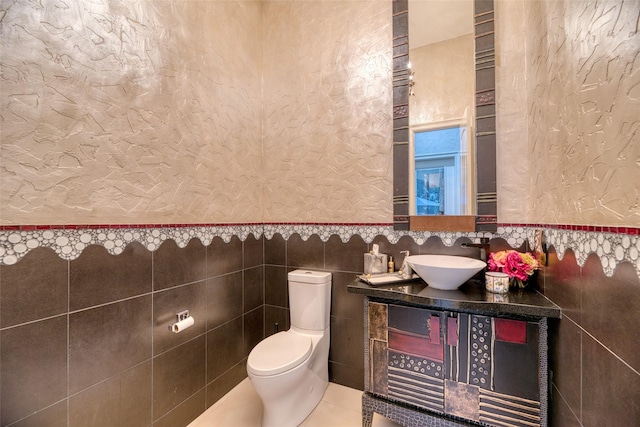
x=412, y=79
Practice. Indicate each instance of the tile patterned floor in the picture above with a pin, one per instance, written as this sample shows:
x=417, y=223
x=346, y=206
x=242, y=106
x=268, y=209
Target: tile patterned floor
x=241, y=407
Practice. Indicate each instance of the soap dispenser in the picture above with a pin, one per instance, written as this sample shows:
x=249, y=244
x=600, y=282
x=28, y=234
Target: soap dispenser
x=405, y=271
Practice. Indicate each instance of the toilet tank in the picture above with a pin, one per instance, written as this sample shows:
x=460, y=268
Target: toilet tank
x=310, y=299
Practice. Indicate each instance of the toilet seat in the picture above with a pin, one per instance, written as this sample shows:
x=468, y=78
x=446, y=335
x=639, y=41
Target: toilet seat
x=279, y=353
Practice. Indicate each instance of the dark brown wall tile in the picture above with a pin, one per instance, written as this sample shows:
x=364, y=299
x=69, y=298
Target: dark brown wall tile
x=346, y=375
x=611, y=391
x=276, y=286
x=500, y=244
x=435, y=245
x=610, y=308
x=97, y=277
x=224, y=257
x=344, y=303
x=33, y=367
x=275, y=250
x=224, y=299
x=34, y=288
x=347, y=342
x=253, y=329
x=225, y=382
x=348, y=256
x=305, y=254
x=560, y=414
x=178, y=374
x=273, y=315
x=186, y=412
x=166, y=304
x=565, y=343
x=253, y=288
x=253, y=251
x=563, y=284
x=53, y=416
x=107, y=340
x=405, y=243
x=174, y=266
x=122, y=400
x=225, y=348
x=346, y=354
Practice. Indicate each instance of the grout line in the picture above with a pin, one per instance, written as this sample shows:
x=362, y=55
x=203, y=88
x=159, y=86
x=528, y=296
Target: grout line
x=177, y=406
x=206, y=326
x=17, y=422
x=611, y=351
x=567, y=404
x=153, y=286
x=581, y=364
x=151, y=293
x=30, y=322
x=565, y=316
x=181, y=344
x=226, y=372
x=68, y=342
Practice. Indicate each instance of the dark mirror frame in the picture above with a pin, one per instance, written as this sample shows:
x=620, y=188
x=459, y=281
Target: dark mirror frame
x=485, y=127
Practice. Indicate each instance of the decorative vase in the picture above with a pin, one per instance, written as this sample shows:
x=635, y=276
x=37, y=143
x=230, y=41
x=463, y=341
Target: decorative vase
x=515, y=283
x=497, y=283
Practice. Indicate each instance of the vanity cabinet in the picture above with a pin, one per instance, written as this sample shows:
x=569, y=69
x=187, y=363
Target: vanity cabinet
x=437, y=360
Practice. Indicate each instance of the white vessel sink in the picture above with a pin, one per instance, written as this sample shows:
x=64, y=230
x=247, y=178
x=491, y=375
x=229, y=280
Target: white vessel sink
x=445, y=272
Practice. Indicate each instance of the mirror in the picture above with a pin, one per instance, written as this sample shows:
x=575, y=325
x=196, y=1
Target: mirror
x=441, y=108
x=444, y=115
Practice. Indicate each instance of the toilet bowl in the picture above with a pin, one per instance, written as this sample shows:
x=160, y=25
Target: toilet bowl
x=290, y=370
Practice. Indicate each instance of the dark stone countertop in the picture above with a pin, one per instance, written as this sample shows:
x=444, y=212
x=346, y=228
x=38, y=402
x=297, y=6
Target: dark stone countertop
x=469, y=298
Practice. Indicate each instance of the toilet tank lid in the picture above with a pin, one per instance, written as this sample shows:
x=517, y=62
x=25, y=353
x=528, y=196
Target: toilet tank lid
x=309, y=276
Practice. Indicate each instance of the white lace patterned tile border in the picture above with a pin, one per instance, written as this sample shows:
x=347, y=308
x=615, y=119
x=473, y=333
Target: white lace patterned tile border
x=69, y=241
x=612, y=249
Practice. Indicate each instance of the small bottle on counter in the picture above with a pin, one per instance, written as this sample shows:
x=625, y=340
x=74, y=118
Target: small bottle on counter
x=390, y=265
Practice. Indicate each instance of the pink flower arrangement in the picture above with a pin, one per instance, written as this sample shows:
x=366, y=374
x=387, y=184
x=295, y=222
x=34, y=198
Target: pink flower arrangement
x=517, y=265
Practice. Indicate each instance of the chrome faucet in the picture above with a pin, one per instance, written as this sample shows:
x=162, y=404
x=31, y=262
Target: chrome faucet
x=484, y=246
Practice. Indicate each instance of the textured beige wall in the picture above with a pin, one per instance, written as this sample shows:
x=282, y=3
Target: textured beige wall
x=582, y=122
x=130, y=112
x=136, y=112
x=150, y=112
x=327, y=109
x=444, y=76
x=512, y=172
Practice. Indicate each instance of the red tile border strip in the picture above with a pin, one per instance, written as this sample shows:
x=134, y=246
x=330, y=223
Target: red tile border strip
x=634, y=231
x=31, y=227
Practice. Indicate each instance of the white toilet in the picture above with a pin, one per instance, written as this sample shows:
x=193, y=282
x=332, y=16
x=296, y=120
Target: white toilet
x=290, y=370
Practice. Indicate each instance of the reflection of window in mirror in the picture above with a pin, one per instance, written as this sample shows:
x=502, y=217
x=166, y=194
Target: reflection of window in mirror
x=442, y=108
x=440, y=169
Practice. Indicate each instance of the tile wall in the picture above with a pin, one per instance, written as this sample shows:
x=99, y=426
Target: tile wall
x=344, y=260
x=86, y=342
x=594, y=347
x=94, y=329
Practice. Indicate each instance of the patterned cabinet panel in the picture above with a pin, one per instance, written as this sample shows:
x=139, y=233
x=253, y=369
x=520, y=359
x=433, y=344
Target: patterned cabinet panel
x=489, y=370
